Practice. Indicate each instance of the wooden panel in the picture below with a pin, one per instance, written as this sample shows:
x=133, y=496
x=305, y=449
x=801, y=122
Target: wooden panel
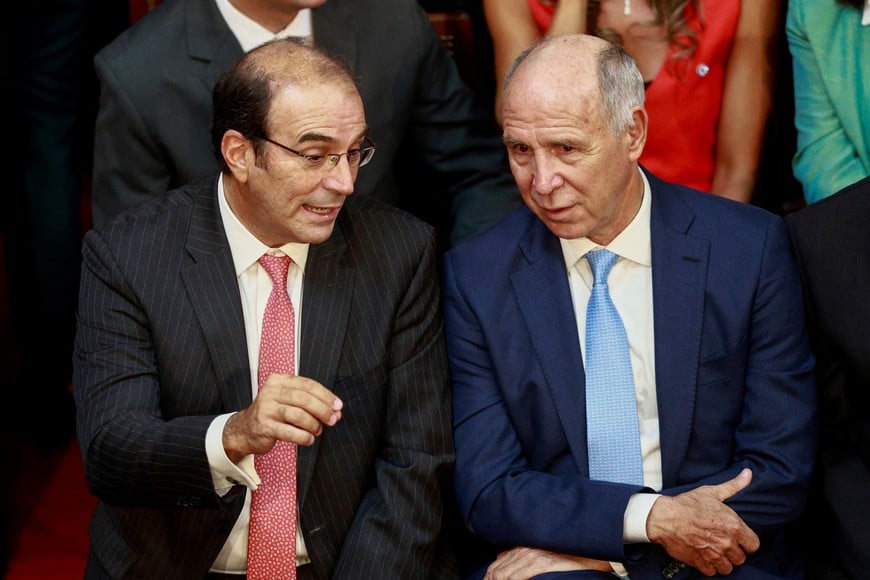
x=457, y=36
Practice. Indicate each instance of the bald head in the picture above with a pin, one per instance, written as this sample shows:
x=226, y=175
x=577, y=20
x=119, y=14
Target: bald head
x=243, y=95
x=287, y=62
x=579, y=67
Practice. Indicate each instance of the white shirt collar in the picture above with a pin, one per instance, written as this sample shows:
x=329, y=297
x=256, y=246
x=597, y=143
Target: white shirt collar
x=244, y=247
x=632, y=243
x=251, y=34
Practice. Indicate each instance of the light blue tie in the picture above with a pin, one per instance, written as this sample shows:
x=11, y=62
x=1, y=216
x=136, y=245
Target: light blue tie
x=612, y=432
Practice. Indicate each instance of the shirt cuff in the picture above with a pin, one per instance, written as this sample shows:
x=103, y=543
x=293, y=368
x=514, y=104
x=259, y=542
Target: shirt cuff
x=224, y=473
x=636, y=513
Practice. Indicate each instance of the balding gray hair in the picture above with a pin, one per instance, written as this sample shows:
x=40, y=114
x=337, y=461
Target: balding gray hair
x=620, y=84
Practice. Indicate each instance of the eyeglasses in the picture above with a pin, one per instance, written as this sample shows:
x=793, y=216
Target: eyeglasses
x=326, y=161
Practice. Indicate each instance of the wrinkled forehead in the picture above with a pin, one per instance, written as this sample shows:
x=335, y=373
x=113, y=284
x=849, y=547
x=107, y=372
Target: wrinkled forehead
x=533, y=93
x=553, y=71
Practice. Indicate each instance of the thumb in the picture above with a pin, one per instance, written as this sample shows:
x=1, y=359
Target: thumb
x=728, y=488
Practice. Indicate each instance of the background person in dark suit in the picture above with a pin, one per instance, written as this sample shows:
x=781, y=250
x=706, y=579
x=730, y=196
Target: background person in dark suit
x=832, y=241
x=166, y=354
x=710, y=300
x=439, y=151
x=51, y=90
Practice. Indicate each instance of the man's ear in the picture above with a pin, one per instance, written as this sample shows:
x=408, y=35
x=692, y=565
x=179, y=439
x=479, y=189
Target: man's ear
x=238, y=152
x=637, y=133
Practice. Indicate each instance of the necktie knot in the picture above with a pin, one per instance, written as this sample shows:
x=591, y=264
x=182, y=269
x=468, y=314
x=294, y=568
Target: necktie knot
x=276, y=267
x=601, y=261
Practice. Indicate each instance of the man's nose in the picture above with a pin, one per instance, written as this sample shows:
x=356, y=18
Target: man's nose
x=340, y=178
x=545, y=174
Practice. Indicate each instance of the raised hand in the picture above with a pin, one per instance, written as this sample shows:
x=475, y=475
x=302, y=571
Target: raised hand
x=287, y=408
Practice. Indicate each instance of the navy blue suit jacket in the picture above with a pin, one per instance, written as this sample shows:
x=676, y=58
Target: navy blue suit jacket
x=734, y=382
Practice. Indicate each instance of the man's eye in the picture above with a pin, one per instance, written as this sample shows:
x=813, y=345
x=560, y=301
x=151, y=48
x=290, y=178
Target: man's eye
x=315, y=159
x=353, y=156
x=565, y=148
x=519, y=148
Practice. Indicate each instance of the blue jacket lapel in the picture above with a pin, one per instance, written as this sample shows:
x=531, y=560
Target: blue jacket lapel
x=679, y=271
x=544, y=300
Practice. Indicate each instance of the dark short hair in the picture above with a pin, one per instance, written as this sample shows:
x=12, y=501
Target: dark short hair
x=243, y=94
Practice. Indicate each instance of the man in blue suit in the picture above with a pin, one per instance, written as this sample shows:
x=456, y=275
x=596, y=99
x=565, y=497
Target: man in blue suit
x=710, y=300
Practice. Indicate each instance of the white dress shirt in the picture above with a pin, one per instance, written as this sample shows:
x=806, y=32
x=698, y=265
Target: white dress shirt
x=630, y=283
x=255, y=285
x=251, y=34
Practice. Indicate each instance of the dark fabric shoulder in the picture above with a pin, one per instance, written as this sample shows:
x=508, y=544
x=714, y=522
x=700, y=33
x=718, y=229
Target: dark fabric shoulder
x=849, y=205
x=162, y=208
x=145, y=36
x=370, y=222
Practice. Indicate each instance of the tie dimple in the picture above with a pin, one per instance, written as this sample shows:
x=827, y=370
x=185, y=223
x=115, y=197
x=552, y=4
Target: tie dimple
x=272, y=531
x=612, y=432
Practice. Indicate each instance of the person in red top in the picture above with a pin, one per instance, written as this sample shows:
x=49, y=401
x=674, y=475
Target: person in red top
x=708, y=66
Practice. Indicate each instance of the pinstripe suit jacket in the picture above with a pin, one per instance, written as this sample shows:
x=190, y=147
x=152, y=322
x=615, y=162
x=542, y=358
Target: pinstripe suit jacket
x=160, y=351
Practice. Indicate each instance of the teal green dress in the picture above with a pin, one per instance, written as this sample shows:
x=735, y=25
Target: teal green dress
x=830, y=51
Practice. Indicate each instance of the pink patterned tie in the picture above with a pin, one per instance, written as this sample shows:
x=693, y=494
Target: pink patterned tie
x=272, y=533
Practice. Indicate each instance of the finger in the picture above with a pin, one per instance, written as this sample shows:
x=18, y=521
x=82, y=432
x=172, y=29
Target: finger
x=315, y=403
x=293, y=434
x=749, y=540
x=705, y=568
x=301, y=419
x=735, y=555
x=728, y=488
x=315, y=389
x=723, y=566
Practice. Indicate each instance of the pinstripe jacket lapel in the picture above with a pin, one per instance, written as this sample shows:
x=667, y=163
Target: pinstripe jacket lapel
x=327, y=293
x=214, y=294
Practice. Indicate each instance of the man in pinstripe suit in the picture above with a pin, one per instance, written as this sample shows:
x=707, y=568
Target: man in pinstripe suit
x=172, y=298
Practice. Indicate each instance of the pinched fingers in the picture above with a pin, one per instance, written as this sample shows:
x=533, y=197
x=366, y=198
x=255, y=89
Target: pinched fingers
x=293, y=394
x=287, y=408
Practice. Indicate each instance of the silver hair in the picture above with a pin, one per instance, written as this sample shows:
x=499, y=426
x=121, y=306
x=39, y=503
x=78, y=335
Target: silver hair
x=620, y=84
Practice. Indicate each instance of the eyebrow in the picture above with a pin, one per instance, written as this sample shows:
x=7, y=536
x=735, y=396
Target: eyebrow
x=322, y=138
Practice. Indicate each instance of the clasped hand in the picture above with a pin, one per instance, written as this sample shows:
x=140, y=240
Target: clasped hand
x=287, y=408
x=696, y=527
